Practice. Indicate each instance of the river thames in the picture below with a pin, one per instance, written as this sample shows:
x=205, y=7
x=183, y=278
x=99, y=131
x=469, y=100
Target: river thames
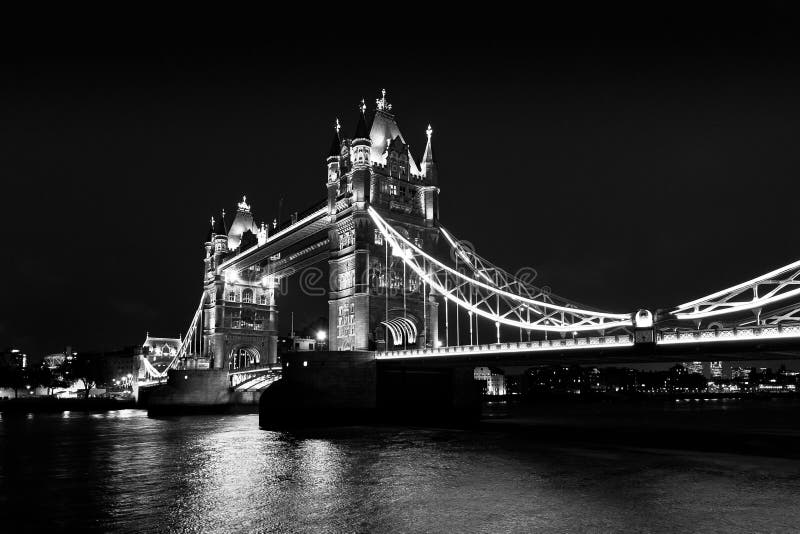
x=124, y=472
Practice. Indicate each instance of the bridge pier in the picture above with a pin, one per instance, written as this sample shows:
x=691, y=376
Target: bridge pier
x=191, y=390
x=331, y=388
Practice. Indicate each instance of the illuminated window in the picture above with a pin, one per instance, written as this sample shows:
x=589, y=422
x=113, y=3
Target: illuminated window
x=378, y=237
x=247, y=296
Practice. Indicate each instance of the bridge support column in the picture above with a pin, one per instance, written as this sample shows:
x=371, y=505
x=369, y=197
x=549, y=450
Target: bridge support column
x=352, y=387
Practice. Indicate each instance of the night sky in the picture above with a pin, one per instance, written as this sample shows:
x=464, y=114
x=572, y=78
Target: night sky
x=638, y=168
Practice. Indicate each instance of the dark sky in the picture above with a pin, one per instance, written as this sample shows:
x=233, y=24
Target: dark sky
x=631, y=167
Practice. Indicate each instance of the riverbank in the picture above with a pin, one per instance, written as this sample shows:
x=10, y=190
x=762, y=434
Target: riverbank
x=54, y=405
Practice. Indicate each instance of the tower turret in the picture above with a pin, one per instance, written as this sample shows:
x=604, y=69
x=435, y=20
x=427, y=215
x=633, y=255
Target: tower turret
x=334, y=168
x=209, y=247
x=210, y=238
x=429, y=168
x=334, y=154
x=220, y=236
x=360, y=149
x=360, y=146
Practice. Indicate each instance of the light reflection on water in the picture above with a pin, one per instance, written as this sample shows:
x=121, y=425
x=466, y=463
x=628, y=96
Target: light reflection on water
x=122, y=471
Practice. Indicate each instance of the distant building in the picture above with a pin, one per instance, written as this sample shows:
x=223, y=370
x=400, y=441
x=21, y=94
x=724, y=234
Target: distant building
x=495, y=382
x=14, y=358
x=740, y=372
x=694, y=367
x=296, y=344
x=120, y=365
x=304, y=344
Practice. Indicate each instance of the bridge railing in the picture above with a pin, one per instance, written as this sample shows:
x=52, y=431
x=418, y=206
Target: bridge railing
x=239, y=377
x=729, y=334
x=621, y=340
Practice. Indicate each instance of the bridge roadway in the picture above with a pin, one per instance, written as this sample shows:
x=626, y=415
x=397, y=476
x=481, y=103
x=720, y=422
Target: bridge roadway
x=300, y=244
x=747, y=343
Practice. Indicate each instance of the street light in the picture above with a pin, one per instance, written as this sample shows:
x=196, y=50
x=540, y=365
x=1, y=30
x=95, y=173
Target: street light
x=322, y=335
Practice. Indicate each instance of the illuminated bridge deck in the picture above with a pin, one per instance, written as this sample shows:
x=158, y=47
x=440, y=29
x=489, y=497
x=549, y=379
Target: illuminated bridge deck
x=768, y=342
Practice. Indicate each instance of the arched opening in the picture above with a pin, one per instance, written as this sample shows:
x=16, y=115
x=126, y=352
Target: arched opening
x=400, y=332
x=243, y=356
x=247, y=296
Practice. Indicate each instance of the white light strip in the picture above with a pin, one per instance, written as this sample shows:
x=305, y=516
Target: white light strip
x=766, y=301
x=743, y=285
x=270, y=239
x=460, y=251
x=510, y=348
x=256, y=370
x=625, y=319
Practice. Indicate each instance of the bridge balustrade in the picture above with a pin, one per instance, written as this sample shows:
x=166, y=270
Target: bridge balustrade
x=726, y=334
x=521, y=346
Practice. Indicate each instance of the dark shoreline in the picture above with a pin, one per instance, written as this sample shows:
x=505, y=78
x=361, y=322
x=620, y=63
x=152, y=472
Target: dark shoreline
x=54, y=405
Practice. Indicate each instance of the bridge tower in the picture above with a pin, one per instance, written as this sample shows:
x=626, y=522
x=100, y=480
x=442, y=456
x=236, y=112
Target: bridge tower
x=240, y=316
x=374, y=303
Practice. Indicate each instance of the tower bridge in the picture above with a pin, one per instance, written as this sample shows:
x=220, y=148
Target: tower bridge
x=404, y=292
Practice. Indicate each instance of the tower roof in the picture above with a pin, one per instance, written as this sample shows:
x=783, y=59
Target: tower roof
x=336, y=144
x=384, y=128
x=361, y=128
x=241, y=223
x=219, y=226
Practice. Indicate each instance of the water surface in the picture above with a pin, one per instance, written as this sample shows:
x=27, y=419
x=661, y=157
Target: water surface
x=122, y=471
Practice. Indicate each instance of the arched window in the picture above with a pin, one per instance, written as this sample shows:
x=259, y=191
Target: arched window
x=247, y=296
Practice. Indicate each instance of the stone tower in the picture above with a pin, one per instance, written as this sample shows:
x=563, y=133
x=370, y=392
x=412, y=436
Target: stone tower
x=373, y=301
x=239, y=313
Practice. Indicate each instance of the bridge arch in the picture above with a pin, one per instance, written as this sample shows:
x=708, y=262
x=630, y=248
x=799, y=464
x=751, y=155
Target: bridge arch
x=400, y=330
x=242, y=356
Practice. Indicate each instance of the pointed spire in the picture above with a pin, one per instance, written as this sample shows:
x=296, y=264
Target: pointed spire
x=210, y=236
x=336, y=144
x=428, y=156
x=361, y=129
x=428, y=161
x=219, y=226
